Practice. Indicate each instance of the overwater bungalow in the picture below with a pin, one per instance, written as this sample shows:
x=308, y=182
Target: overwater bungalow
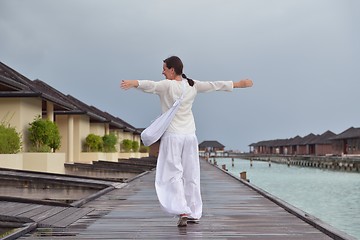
x=327, y=144
x=304, y=146
x=321, y=145
x=262, y=147
x=292, y=145
x=213, y=148
x=347, y=142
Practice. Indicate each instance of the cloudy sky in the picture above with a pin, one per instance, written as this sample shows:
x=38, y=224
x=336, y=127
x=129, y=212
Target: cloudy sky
x=303, y=57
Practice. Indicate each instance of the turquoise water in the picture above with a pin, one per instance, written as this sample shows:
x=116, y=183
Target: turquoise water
x=332, y=196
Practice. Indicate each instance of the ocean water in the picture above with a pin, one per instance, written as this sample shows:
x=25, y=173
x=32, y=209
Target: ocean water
x=332, y=196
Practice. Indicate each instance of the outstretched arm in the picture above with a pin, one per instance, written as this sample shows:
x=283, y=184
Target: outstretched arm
x=221, y=85
x=127, y=84
x=243, y=83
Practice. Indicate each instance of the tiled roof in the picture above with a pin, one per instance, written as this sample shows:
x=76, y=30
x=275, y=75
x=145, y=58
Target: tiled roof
x=13, y=84
x=87, y=109
x=115, y=121
x=51, y=94
x=348, y=133
x=323, y=138
x=279, y=142
x=264, y=143
x=294, y=141
x=125, y=125
x=307, y=139
x=214, y=144
x=112, y=120
x=9, y=73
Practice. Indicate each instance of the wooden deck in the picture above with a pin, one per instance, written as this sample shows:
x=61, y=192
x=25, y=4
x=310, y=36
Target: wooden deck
x=43, y=215
x=232, y=210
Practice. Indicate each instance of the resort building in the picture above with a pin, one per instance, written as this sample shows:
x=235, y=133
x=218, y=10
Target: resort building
x=346, y=143
x=22, y=100
x=211, y=148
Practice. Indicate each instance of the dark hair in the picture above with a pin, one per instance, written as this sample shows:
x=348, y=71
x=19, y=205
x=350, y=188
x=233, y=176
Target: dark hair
x=176, y=63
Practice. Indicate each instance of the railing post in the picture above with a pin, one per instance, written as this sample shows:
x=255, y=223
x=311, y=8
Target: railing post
x=243, y=175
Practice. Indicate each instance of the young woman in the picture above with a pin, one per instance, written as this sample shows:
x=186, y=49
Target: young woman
x=178, y=169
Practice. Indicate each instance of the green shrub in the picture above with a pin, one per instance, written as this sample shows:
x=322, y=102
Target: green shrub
x=54, y=138
x=44, y=135
x=135, y=146
x=126, y=145
x=10, y=140
x=109, y=142
x=144, y=149
x=94, y=143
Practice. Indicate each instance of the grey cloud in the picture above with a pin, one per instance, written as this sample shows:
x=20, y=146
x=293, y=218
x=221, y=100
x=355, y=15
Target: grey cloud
x=302, y=55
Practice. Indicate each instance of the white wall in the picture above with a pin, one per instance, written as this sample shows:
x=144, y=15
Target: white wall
x=19, y=112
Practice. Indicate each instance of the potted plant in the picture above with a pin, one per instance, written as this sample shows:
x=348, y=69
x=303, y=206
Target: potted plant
x=109, y=142
x=94, y=143
x=10, y=140
x=44, y=135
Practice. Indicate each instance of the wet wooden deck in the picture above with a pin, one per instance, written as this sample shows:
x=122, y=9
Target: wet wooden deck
x=232, y=210
x=43, y=215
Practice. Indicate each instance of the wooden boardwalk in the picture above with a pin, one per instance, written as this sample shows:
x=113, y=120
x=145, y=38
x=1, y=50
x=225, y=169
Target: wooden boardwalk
x=43, y=215
x=232, y=210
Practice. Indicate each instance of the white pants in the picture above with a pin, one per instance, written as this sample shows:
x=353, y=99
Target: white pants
x=178, y=175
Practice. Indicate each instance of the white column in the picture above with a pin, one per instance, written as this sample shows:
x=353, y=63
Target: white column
x=70, y=147
x=50, y=111
x=107, y=129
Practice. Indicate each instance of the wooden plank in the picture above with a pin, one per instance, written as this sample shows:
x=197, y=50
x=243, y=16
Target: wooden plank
x=23, y=209
x=74, y=216
x=64, y=217
x=39, y=210
x=48, y=213
x=10, y=207
x=4, y=205
x=231, y=210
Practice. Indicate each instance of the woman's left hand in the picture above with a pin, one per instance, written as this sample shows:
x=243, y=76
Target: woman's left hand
x=127, y=84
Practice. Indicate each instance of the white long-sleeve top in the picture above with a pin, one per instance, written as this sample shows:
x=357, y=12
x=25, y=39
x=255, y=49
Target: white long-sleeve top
x=170, y=90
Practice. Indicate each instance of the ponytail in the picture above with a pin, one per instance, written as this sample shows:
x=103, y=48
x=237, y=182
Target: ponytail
x=176, y=63
x=190, y=81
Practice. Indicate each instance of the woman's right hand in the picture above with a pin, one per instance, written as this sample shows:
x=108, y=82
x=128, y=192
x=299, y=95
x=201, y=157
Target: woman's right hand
x=243, y=83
